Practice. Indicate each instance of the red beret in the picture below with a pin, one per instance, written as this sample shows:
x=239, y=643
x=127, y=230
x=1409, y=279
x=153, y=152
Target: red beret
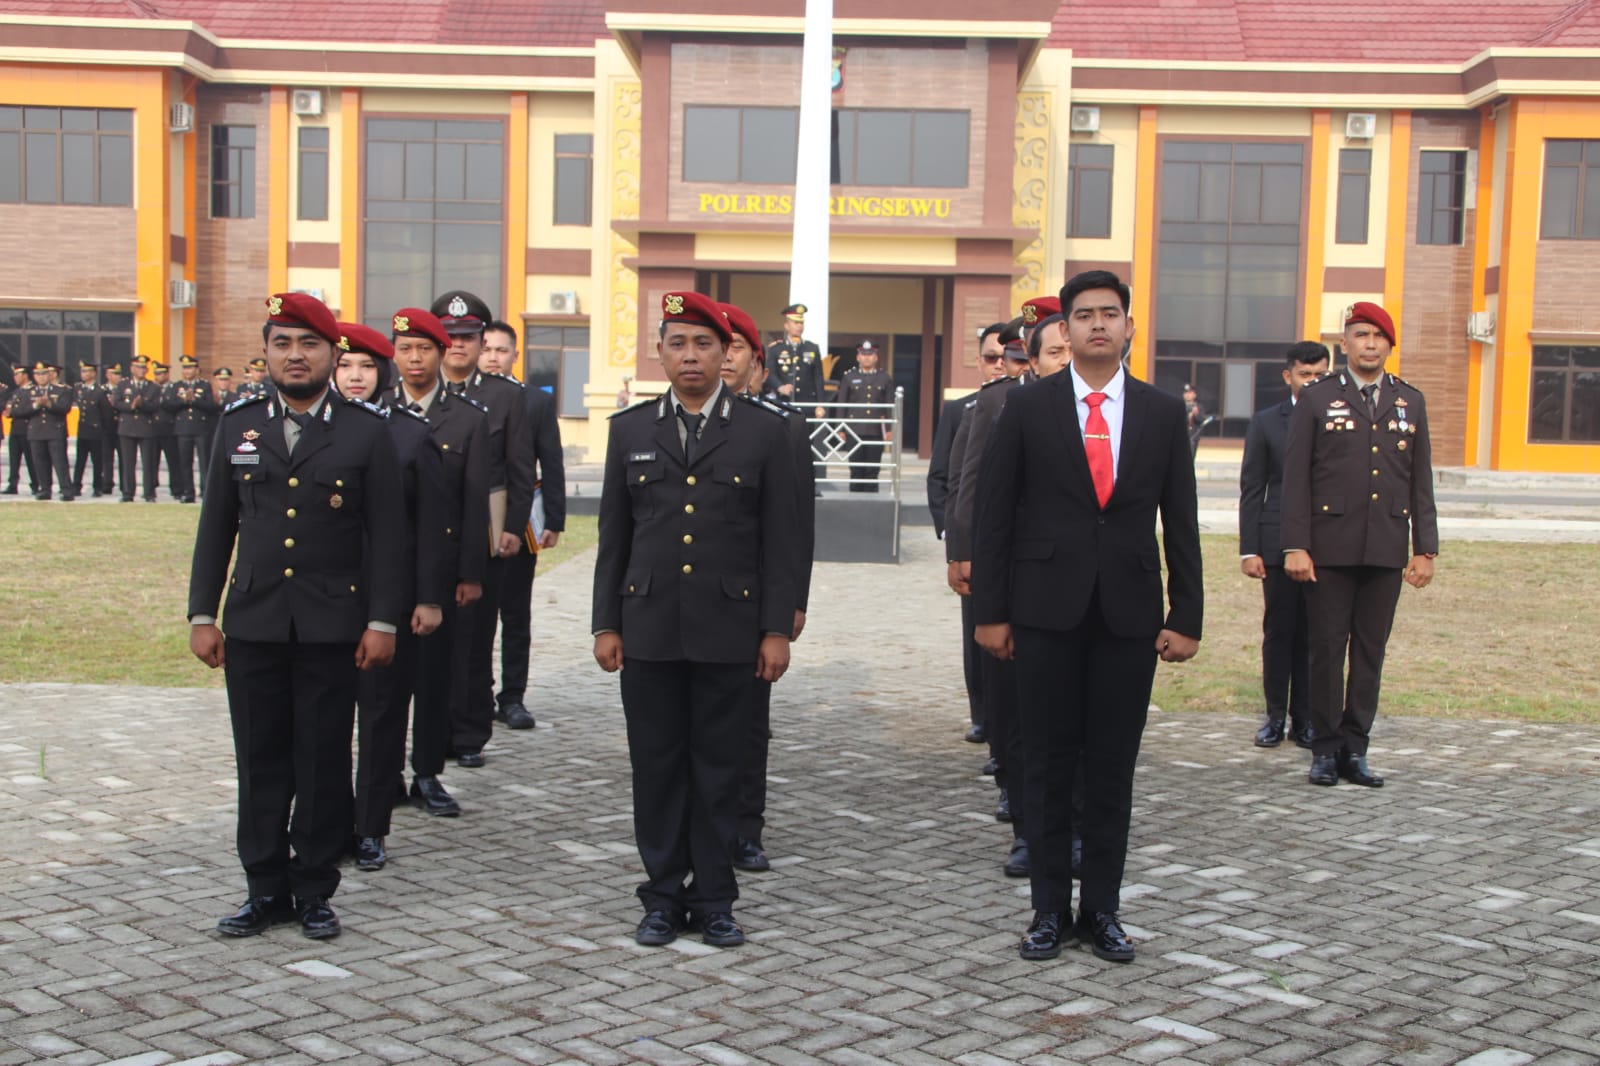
x=415, y=322
x=300, y=311
x=1040, y=308
x=1371, y=314
x=698, y=310
x=361, y=338
x=745, y=326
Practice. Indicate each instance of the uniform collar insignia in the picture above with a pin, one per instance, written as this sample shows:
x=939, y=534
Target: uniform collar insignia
x=727, y=406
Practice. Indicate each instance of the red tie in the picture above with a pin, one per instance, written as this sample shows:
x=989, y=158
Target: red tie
x=1097, y=445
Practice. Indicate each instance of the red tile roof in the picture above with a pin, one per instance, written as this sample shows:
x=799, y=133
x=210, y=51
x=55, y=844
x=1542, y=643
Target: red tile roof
x=1398, y=31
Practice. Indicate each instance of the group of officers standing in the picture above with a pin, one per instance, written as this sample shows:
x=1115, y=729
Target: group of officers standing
x=127, y=425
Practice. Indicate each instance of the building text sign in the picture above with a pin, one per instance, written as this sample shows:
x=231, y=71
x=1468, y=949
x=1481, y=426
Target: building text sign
x=838, y=206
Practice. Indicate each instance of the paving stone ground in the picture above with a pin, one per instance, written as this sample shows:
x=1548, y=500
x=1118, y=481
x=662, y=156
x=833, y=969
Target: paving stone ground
x=1451, y=917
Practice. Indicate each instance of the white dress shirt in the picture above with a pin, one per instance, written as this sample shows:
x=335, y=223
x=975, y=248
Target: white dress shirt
x=1111, y=408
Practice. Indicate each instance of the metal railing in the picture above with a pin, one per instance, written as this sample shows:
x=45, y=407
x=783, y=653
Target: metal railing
x=846, y=437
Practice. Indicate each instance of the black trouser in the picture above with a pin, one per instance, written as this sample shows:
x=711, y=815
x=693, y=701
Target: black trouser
x=865, y=478
x=436, y=681
x=1285, y=649
x=1348, y=606
x=970, y=663
x=1083, y=695
x=383, y=698
x=48, y=456
x=292, y=706
x=1005, y=733
x=753, y=761
x=97, y=449
x=137, y=453
x=21, y=455
x=169, y=453
x=685, y=736
x=516, y=623
x=183, y=482
x=472, y=714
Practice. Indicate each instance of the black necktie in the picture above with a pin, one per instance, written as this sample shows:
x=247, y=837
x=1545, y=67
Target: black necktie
x=300, y=420
x=414, y=406
x=1371, y=393
x=458, y=388
x=691, y=434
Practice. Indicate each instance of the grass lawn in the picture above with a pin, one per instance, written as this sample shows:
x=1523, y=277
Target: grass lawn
x=96, y=593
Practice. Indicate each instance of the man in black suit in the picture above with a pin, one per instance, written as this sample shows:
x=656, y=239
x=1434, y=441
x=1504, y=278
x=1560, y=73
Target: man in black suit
x=694, y=596
x=193, y=410
x=517, y=569
x=21, y=456
x=1285, y=657
x=306, y=484
x=137, y=400
x=991, y=364
x=1066, y=578
x=46, y=411
x=94, y=431
x=1357, y=487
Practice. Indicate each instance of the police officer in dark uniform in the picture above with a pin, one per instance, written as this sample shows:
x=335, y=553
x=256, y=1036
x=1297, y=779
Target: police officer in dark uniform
x=306, y=483
x=693, y=593
x=94, y=438
x=222, y=386
x=166, y=427
x=45, y=410
x=511, y=477
x=193, y=409
x=865, y=383
x=257, y=383
x=460, y=426
x=137, y=400
x=20, y=455
x=794, y=364
x=1357, y=486
x=113, y=442
x=383, y=696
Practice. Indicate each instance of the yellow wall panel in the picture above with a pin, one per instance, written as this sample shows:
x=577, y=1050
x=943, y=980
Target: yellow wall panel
x=552, y=114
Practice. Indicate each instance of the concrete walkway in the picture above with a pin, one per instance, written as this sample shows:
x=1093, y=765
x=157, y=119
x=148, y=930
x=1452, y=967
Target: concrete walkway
x=1451, y=917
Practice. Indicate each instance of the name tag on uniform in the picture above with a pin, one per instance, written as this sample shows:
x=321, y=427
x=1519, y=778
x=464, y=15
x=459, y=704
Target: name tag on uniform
x=642, y=457
x=244, y=460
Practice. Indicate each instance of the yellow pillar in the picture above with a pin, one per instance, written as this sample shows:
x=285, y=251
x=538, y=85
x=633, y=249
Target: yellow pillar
x=1316, y=228
x=1480, y=264
x=278, y=189
x=350, y=205
x=516, y=293
x=1394, y=252
x=1144, y=245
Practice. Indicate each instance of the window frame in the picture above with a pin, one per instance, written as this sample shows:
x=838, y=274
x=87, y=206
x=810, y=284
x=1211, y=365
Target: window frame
x=1568, y=376
x=587, y=159
x=10, y=330
x=564, y=326
x=1428, y=186
x=98, y=135
x=1349, y=176
x=233, y=156
x=1585, y=172
x=319, y=155
x=1075, y=167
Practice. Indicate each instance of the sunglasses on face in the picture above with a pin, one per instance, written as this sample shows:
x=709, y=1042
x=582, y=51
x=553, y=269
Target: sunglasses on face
x=991, y=358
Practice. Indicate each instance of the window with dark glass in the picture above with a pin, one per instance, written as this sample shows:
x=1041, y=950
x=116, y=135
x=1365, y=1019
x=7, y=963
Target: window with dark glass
x=1355, y=195
x=70, y=338
x=756, y=145
x=574, y=196
x=1228, y=273
x=233, y=172
x=917, y=149
x=313, y=172
x=556, y=358
x=66, y=155
x=1565, y=402
x=1571, y=190
x=1089, y=190
x=1441, y=195
x=433, y=212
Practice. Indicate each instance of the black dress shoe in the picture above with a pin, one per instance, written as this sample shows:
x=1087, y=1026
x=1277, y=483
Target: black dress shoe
x=1270, y=735
x=977, y=735
x=317, y=919
x=991, y=767
x=258, y=914
x=1043, y=938
x=370, y=854
x=1324, y=770
x=471, y=760
x=1353, y=768
x=748, y=856
x=1019, y=863
x=657, y=929
x=1002, y=810
x=719, y=930
x=1077, y=856
x=514, y=716
x=1104, y=935
x=12, y=491
x=1300, y=733
x=429, y=794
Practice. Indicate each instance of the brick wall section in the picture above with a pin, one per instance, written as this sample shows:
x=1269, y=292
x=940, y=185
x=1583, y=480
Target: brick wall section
x=1438, y=298
x=1563, y=290
x=69, y=252
x=230, y=253
x=876, y=76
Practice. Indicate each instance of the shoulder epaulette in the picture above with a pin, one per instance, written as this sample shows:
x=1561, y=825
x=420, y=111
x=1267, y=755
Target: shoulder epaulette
x=402, y=409
x=370, y=408
x=993, y=381
x=776, y=343
x=1325, y=379
x=970, y=404
x=764, y=405
x=470, y=402
x=639, y=405
x=1398, y=380
x=247, y=401
x=507, y=378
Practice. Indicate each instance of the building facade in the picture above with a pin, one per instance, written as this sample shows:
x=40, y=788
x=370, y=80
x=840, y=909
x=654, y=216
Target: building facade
x=165, y=165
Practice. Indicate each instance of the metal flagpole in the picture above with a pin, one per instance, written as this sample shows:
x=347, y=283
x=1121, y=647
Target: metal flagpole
x=808, y=271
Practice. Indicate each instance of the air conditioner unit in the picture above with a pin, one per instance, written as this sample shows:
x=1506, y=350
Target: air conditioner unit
x=1085, y=119
x=563, y=303
x=181, y=293
x=181, y=118
x=1360, y=126
x=1480, y=326
x=306, y=102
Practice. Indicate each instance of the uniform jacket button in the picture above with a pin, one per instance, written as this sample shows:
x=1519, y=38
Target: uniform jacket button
x=688, y=568
x=294, y=483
